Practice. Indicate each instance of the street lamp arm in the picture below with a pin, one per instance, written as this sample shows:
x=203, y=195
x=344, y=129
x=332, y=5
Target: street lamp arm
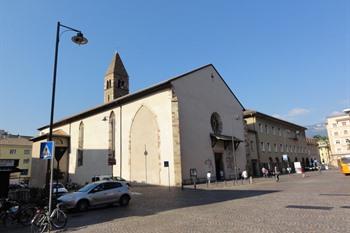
x=69, y=28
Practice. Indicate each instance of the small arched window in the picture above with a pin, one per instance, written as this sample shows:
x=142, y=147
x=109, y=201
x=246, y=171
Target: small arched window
x=80, y=151
x=111, y=139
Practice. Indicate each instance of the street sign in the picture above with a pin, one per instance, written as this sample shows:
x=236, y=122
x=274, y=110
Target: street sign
x=166, y=163
x=47, y=149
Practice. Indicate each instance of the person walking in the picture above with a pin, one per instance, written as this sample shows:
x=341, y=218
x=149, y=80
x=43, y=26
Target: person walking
x=277, y=174
x=244, y=176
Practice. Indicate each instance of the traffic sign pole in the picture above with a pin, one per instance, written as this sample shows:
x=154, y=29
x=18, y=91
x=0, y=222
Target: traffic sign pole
x=51, y=178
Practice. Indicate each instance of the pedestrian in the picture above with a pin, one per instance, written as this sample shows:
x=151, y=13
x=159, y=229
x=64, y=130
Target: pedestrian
x=208, y=177
x=221, y=174
x=289, y=169
x=263, y=171
x=277, y=174
x=244, y=175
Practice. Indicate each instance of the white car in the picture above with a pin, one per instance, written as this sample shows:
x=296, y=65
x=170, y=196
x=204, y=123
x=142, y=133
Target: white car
x=58, y=188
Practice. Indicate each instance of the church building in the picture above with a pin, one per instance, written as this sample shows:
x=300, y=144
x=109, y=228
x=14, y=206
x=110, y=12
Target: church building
x=166, y=134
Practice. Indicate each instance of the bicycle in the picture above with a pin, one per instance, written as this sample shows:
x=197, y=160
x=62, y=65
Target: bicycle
x=44, y=221
x=13, y=212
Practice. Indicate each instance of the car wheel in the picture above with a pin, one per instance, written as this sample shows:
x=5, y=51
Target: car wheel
x=83, y=205
x=124, y=200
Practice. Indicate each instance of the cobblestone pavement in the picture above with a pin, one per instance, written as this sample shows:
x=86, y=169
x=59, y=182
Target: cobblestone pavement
x=316, y=203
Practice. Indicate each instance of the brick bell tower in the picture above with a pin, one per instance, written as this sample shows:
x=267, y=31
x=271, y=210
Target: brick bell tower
x=116, y=82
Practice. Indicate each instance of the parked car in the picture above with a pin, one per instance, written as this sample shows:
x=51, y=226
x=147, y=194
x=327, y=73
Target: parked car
x=110, y=178
x=58, y=189
x=97, y=193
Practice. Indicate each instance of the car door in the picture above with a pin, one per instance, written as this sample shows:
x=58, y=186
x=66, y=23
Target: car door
x=111, y=192
x=119, y=190
x=97, y=195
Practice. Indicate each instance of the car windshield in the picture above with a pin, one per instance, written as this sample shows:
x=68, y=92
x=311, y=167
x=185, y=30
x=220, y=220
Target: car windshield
x=345, y=160
x=87, y=188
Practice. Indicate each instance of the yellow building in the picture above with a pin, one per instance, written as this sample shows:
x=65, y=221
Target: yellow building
x=17, y=148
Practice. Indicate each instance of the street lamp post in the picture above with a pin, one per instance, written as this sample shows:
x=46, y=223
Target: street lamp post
x=80, y=40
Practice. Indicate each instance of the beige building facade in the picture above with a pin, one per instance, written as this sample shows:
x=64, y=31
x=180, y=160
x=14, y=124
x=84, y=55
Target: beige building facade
x=338, y=129
x=325, y=151
x=269, y=138
x=160, y=135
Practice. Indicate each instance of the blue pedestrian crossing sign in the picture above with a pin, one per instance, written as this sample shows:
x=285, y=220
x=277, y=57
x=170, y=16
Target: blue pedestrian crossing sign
x=47, y=150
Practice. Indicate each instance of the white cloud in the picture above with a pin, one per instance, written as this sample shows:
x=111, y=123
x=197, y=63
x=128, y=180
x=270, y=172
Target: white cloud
x=336, y=113
x=297, y=112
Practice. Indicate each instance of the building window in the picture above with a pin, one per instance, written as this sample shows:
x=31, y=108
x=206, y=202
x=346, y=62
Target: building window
x=27, y=152
x=337, y=141
x=336, y=133
x=338, y=149
x=80, y=151
x=80, y=157
x=343, y=123
x=251, y=145
x=261, y=128
x=12, y=151
x=26, y=161
x=111, y=140
x=281, y=147
x=287, y=148
x=268, y=146
x=24, y=172
x=275, y=146
x=262, y=146
x=267, y=129
x=346, y=132
x=294, y=149
x=279, y=132
x=273, y=130
x=334, y=125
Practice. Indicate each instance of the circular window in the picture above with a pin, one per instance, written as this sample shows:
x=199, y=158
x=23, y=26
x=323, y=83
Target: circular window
x=216, y=123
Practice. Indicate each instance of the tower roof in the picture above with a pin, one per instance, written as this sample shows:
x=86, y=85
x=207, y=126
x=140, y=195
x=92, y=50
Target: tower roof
x=117, y=66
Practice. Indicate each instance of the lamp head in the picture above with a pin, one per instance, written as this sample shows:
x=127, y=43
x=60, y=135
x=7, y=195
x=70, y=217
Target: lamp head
x=79, y=39
x=347, y=110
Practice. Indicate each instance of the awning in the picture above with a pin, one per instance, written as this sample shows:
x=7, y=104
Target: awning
x=225, y=138
x=9, y=165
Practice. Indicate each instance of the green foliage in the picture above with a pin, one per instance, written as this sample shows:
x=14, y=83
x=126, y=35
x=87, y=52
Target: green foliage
x=321, y=138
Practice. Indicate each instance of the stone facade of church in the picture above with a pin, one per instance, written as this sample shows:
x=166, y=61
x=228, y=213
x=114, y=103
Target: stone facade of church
x=189, y=122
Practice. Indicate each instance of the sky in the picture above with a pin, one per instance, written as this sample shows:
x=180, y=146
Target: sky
x=289, y=59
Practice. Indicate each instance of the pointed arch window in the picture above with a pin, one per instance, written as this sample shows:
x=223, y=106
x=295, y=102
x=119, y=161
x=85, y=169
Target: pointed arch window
x=111, y=140
x=81, y=144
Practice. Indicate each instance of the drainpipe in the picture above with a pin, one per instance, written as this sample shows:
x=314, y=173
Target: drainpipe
x=120, y=141
x=257, y=145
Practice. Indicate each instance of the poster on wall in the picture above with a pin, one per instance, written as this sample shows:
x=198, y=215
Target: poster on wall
x=298, y=168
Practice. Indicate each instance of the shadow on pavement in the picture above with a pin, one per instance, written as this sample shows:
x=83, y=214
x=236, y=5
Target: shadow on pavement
x=150, y=200
x=307, y=207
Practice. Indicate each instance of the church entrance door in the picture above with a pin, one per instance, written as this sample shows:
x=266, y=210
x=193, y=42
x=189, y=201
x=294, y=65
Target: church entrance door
x=219, y=166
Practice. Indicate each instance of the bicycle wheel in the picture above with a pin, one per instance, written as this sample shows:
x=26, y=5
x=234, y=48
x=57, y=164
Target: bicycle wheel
x=9, y=220
x=40, y=223
x=26, y=215
x=58, y=219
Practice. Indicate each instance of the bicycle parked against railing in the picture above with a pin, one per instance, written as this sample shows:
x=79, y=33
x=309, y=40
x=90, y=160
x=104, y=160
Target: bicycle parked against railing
x=12, y=212
x=44, y=221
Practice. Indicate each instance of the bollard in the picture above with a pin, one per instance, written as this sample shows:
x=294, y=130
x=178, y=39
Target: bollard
x=250, y=180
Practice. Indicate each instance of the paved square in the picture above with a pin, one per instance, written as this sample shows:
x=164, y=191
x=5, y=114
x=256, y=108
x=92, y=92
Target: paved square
x=317, y=203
